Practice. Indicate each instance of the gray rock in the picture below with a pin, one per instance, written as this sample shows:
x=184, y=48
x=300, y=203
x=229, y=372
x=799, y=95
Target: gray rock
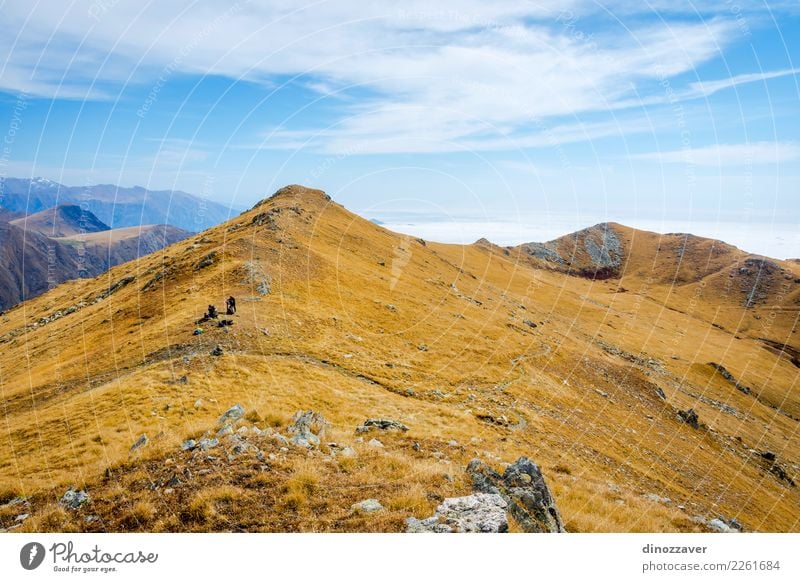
x=689, y=417
x=308, y=428
x=231, y=415
x=375, y=443
x=225, y=431
x=719, y=525
x=381, y=424
x=74, y=499
x=22, y=517
x=655, y=498
x=140, y=442
x=188, y=445
x=348, y=452
x=367, y=506
x=479, y=513
x=524, y=489
x=206, y=444
x=217, y=351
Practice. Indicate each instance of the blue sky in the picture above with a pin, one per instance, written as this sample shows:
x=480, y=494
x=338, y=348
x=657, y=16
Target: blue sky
x=676, y=111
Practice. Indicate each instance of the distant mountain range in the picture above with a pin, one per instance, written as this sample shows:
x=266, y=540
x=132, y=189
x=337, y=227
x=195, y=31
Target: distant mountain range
x=42, y=250
x=114, y=205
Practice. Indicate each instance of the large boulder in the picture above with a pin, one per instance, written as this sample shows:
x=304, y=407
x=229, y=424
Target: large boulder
x=477, y=513
x=308, y=428
x=523, y=488
x=231, y=415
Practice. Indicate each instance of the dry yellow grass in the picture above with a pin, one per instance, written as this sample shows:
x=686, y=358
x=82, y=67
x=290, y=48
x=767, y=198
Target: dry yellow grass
x=362, y=322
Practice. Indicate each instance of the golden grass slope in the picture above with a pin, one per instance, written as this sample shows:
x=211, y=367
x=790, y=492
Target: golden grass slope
x=482, y=351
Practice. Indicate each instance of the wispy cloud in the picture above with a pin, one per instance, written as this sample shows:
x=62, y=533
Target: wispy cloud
x=466, y=74
x=746, y=154
x=706, y=88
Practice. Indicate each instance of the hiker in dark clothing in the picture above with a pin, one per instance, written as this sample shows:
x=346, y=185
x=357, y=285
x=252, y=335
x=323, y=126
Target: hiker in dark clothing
x=231, y=305
x=212, y=312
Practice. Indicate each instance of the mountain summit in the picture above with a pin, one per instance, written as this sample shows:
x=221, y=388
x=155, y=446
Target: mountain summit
x=363, y=370
x=61, y=221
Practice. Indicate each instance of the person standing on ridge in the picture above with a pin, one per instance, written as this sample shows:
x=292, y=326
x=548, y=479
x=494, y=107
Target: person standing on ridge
x=231, y=306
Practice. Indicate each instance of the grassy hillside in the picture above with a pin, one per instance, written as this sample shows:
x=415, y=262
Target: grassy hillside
x=482, y=351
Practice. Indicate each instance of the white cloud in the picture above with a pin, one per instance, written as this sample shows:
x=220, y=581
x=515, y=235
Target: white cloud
x=706, y=88
x=746, y=154
x=466, y=74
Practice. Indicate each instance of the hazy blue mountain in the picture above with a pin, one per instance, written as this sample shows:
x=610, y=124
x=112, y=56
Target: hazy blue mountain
x=116, y=206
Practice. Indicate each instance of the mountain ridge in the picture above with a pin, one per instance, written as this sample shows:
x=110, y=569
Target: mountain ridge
x=61, y=221
x=117, y=206
x=480, y=352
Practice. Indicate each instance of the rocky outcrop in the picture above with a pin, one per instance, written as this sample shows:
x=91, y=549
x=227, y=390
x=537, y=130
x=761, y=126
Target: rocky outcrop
x=723, y=371
x=233, y=414
x=689, y=417
x=477, y=513
x=523, y=487
x=307, y=429
x=74, y=499
x=381, y=424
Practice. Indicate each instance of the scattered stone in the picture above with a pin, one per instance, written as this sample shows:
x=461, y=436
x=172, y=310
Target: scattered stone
x=391, y=307
x=381, y=424
x=660, y=393
x=348, y=452
x=22, y=517
x=225, y=431
x=529, y=323
x=722, y=526
x=198, y=404
x=173, y=481
x=730, y=378
x=217, y=351
x=477, y=513
x=655, y=498
x=523, y=487
x=74, y=499
x=452, y=443
x=774, y=467
x=140, y=442
x=501, y=420
x=601, y=393
x=206, y=444
x=188, y=445
x=308, y=428
x=367, y=506
x=689, y=417
x=231, y=415
x=375, y=443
